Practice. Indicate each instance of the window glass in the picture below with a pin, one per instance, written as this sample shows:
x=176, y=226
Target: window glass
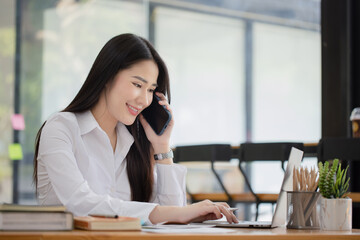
x=205, y=56
x=286, y=84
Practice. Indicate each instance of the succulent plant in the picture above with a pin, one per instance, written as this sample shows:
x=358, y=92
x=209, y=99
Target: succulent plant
x=332, y=180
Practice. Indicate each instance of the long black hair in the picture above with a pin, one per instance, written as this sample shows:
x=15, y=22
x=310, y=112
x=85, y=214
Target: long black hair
x=120, y=53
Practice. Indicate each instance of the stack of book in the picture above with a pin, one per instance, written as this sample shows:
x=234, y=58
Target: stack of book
x=15, y=217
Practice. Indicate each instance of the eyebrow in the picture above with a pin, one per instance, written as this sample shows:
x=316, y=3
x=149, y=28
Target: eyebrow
x=143, y=80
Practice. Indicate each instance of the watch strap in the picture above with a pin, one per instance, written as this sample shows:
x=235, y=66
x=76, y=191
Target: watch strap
x=162, y=156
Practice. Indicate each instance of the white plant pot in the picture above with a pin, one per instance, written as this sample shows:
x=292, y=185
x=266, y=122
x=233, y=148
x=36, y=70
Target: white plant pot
x=336, y=214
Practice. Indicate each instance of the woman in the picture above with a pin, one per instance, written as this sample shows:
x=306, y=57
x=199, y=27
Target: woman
x=97, y=155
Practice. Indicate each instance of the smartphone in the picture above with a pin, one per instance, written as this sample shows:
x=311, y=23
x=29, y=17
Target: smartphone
x=157, y=116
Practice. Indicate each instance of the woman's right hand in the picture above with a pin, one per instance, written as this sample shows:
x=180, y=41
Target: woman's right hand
x=208, y=210
x=197, y=212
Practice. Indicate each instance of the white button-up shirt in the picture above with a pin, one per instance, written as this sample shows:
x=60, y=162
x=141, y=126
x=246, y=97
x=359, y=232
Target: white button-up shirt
x=78, y=168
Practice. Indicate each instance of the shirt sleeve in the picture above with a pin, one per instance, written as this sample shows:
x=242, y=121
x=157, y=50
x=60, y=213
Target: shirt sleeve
x=170, y=184
x=57, y=156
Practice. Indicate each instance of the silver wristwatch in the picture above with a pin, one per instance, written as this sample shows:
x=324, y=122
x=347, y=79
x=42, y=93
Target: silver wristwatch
x=162, y=156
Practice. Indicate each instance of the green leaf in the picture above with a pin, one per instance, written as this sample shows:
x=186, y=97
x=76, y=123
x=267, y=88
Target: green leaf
x=332, y=180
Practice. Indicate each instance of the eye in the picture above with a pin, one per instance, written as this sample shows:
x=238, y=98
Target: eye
x=151, y=90
x=136, y=85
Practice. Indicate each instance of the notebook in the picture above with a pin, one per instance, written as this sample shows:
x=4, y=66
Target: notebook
x=280, y=212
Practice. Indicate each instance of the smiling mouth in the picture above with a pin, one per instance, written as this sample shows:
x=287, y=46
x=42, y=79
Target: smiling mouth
x=134, y=111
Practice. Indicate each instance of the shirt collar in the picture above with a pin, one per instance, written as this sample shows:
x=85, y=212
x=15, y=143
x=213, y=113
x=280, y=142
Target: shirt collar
x=87, y=122
x=124, y=140
x=123, y=134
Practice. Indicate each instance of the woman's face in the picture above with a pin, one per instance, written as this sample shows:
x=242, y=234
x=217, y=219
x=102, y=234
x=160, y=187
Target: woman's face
x=132, y=91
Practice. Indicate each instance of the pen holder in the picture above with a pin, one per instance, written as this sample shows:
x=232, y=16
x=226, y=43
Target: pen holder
x=303, y=210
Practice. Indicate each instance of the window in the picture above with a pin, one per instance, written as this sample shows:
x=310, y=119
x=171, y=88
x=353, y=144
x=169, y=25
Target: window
x=286, y=84
x=204, y=54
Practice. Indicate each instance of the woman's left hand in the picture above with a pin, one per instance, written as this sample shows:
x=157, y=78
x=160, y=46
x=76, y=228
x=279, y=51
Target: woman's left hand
x=160, y=144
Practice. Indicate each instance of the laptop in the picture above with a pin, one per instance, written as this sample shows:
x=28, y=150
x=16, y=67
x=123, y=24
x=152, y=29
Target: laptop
x=279, y=217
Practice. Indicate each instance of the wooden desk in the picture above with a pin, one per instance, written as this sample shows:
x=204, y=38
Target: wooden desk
x=243, y=234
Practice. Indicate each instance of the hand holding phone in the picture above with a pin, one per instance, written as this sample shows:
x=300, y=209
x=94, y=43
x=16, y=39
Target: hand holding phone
x=157, y=116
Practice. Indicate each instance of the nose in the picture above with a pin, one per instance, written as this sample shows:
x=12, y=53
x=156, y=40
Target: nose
x=145, y=99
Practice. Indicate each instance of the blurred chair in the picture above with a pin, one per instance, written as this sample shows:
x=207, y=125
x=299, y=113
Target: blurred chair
x=209, y=153
x=251, y=152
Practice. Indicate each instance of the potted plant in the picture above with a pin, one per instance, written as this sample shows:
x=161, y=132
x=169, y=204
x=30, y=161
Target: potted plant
x=336, y=207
